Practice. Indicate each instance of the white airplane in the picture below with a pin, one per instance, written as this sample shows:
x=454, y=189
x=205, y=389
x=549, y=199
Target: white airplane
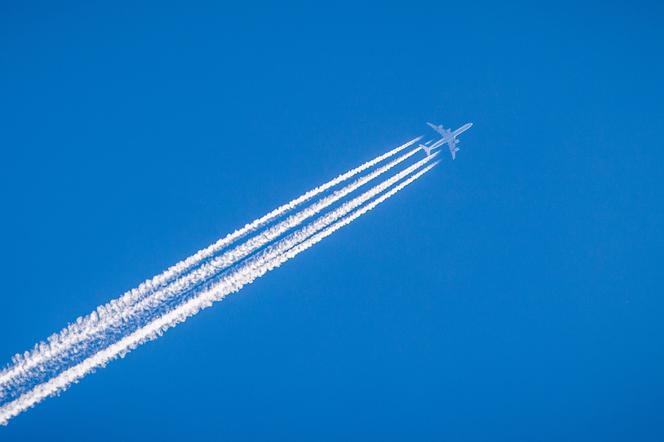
x=448, y=136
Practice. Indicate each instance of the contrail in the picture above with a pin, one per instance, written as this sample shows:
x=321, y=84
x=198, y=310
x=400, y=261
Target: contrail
x=240, y=276
x=152, y=305
x=349, y=218
x=87, y=328
x=56, y=343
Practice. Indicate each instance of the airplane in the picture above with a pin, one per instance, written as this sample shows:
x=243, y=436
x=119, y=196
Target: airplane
x=448, y=136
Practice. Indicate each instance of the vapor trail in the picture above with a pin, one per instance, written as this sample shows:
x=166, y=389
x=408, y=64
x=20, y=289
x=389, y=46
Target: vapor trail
x=80, y=334
x=163, y=284
x=349, y=218
x=243, y=274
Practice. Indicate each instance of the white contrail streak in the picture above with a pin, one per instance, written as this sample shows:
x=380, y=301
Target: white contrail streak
x=115, y=309
x=255, y=267
x=92, y=325
x=349, y=218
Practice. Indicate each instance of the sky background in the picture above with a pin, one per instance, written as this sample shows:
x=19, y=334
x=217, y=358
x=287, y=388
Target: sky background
x=515, y=294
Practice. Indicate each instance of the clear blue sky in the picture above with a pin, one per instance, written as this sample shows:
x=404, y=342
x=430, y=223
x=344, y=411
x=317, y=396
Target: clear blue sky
x=515, y=294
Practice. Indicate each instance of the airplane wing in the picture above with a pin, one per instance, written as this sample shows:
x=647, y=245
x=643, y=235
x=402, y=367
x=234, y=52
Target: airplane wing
x=453, y=147
x=438, y=129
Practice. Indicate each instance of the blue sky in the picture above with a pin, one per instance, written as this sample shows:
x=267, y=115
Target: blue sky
x=514, y=294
